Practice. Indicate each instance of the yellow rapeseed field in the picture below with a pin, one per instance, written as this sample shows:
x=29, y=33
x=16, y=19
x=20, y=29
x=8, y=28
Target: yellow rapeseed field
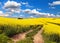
x=51, y=28
x=22, y=21
x=48, y=27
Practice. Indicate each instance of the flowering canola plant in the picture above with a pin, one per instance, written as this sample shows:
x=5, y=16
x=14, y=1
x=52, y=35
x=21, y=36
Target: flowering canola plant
x=48, y=27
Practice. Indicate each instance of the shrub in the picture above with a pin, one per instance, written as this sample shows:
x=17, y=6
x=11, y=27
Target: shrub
x=5, y=39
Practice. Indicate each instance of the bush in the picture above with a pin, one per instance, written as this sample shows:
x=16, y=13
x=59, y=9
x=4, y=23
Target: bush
x=5, y=39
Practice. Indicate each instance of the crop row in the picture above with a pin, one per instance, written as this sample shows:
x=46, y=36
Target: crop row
x=51, y=33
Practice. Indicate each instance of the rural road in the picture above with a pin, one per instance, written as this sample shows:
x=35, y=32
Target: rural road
x=20, y=36
x=38, y=37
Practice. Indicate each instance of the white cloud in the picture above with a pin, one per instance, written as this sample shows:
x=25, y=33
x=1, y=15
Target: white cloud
x=29, y=6
x=11, y=4
x=22, y=16
x=3, y=14
x=24, y=3
x=31, y=16
x=57, y=15
x=26, y=10
x=14, y=7
x=35, y=12
x=15, y=11
x=29, y=11
x=39, y=9
x=55, y=3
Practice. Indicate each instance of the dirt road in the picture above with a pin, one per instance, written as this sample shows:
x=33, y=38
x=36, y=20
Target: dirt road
x=38, y=37
x=20, y=36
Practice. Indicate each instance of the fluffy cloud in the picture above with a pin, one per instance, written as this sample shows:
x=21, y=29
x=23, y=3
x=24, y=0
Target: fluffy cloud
x=15, y=11
x=55, y=3
x=24, y=3
x=38, y=9
x=57, y=15
x=11, y=4
x=35, y=12
x=2, y=14
x=29, y=11
x=14, y=7
x=31, y=16
x=22, y=16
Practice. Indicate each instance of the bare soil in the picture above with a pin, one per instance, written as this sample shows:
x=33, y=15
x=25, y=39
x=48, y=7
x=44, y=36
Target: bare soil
x=38, y=37
x=20, y=36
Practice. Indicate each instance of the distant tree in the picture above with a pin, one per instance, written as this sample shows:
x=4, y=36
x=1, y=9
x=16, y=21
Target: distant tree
x=20, y=18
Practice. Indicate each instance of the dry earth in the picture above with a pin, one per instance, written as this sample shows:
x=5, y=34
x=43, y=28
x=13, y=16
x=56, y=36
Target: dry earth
x=38, y=37
x=20, y=36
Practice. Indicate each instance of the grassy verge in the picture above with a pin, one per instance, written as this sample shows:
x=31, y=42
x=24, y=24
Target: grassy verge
x=11, y=30
x=5, y=39
x=27, y=40
x=52, y=38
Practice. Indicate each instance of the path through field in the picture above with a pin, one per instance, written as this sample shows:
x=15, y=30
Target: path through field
x=38, y=37
x=20, y=36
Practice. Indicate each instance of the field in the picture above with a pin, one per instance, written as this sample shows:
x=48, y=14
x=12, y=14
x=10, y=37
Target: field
x=13, y=30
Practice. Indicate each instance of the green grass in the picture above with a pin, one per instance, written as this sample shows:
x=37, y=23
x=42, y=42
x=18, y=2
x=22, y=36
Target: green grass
x=31, y=34
x=53, y=38
x=5, y=39
x=27, y=40
x=48, y=41
x=14, y=29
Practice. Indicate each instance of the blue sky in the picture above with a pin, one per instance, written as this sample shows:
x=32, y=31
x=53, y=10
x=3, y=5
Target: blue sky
x=30, y=8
